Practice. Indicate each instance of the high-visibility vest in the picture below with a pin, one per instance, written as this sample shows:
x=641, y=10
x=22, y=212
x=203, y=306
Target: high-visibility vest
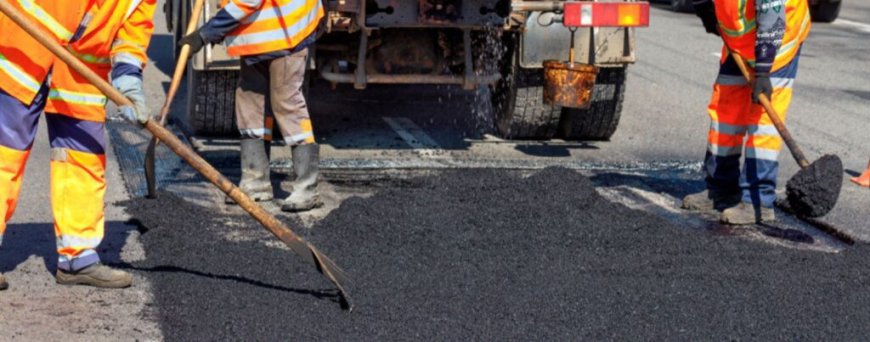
x=271, y=25
x=105, y=32
x=737, y=21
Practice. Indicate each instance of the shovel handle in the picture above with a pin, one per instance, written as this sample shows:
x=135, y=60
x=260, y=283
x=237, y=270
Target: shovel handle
x=305, y=250
x=181, y=64
x=796, y=151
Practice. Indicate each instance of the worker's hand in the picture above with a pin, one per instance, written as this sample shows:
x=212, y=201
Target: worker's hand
x=762, y=86
x=706, y=10
x=195, y=40
x=132, y=88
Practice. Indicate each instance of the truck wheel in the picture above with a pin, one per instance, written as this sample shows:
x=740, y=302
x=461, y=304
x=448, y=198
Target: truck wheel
x=682, y=6
x=599, y=121
x=211, y=103
x=825, y=11
x=518, y=101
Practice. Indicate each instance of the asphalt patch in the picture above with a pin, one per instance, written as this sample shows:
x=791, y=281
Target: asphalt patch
x=814, y=190
x=490, y=255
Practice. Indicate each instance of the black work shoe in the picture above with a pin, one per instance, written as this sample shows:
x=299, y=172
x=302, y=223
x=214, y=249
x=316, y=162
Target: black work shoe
x=705, y=201
x=3, y=284
x=745, y=213
x=97, y=275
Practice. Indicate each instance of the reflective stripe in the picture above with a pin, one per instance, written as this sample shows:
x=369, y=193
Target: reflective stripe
x=788, y=48
x=85, y=259
x=46, y=20
x=762, y=153
x=69, y=241
x=779, y=82
x=272, y=35
x=745, y=25
x=763, y=130
x=724, y=151
x=731, y=80
x=132, y=8
x=128, y=59
x=90, y=58
x=234, y=10
x=727, y=128
x=274, y=12
x=18, y=75
x=77, y=98
x=298, y=138
x=255, y=132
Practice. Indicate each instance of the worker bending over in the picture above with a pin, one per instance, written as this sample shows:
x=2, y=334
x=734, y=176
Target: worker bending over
x=111, y=38
x=768, y=34
x=272, y=38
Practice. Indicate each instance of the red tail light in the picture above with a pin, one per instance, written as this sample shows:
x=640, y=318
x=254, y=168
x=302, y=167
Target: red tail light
x=606, y=14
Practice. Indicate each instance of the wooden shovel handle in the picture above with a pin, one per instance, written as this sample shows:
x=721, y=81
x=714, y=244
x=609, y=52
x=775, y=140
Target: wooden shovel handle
x=796, y=151
x=181, y=64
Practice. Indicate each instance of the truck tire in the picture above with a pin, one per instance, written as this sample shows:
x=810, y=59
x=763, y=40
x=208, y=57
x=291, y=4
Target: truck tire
x=682, y=6
x=600, y=120
x=825, y=12
x=211, y=102
x=518, y=101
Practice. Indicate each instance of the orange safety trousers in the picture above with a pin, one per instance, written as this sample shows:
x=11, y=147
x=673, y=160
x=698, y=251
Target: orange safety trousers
x=77, y=174
x=738, y=126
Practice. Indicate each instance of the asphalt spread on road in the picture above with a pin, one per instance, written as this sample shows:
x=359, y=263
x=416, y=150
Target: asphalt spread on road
x=814, y=190
x=491, y=255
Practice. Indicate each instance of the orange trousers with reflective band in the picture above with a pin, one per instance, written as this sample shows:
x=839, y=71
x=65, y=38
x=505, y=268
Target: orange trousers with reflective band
x=77, y=175
x=739, y=127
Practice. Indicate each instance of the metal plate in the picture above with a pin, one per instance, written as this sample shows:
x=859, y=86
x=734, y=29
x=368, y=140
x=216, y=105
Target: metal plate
x=541, y=41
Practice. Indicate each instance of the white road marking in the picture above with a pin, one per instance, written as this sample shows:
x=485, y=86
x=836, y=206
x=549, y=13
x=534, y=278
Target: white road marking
x=413, y=135
x=860, y=26
x=717, y=54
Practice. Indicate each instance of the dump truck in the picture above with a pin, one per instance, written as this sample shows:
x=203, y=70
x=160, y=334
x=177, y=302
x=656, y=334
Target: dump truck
x=497, y=46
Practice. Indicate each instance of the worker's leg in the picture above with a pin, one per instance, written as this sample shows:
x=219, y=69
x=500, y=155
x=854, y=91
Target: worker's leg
x=291, y=114
x=761, y=166
x=17, y=131
x=254, y=124
x=78, y=185
x=724, y=142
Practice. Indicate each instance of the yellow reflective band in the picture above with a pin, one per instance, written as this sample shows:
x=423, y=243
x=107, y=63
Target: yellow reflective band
x=46, y=20
x=18, y=75
x=77, y=98
x=745, y=25
x=90, y=58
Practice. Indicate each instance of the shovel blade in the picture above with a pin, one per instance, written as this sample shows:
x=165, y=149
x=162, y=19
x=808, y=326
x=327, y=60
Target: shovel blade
x=814, y=190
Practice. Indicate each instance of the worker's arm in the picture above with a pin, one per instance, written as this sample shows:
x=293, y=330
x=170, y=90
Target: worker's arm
x=770, y=19
x=224, y=22
x=706, y=10
x=129, y=55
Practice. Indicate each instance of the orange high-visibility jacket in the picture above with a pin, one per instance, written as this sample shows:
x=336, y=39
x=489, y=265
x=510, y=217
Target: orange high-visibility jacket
x=737, y=21
x=108, y=32
x=271, y=25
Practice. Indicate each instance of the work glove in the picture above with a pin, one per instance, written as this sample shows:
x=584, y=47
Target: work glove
x=132, y=88
x=195, y=40
x=762, y=86
x=706, y=10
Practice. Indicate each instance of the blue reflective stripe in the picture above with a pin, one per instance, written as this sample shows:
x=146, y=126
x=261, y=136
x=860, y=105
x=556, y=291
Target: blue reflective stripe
x=18, y=75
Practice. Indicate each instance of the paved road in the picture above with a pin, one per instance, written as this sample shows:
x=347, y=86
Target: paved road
x=662, y=134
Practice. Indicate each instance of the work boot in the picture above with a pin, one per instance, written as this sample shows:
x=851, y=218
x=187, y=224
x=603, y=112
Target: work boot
x=255, y=171
x=306, y=159
x=97, y=275
x=3, y=284
x=707, y=201
x=745, y=213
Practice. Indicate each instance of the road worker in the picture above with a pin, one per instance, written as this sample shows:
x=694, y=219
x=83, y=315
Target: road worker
x=768, y=34
x=111, y=38
x=272, y=38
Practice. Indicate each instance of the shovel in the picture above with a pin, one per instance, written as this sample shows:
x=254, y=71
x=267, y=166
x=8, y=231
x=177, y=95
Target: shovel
x=813, y=191
x=180, y=65
x=305, y=250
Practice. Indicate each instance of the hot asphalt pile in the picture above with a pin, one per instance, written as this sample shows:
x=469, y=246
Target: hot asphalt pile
x=488, y=255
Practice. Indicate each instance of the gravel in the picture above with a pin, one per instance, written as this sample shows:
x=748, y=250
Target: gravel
x=489, y=255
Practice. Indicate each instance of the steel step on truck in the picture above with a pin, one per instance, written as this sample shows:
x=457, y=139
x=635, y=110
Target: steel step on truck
x=496, y=45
